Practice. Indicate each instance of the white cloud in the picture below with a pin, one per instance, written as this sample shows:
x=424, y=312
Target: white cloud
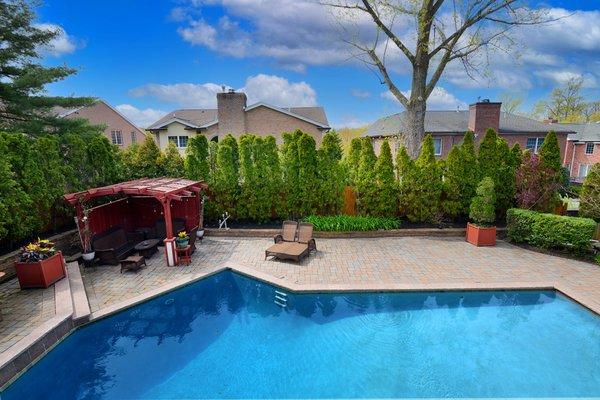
x=361, y=94
x=562, y=76
x=271, y=89
x=61, y=44
x=439, y=99
x=350, y=122
x=142, y=118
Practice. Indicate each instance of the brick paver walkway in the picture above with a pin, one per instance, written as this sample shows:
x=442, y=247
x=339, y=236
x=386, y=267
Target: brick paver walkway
x=22, y=311
x=363, y=263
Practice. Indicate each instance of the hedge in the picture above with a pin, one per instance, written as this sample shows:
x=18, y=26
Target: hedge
x=549, y=230
x=347, y=223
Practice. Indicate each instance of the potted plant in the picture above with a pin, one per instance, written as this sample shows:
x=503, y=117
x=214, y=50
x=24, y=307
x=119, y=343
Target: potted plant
x=86, y=237
x=482, y=212
x=182, y=239
x=39, y=265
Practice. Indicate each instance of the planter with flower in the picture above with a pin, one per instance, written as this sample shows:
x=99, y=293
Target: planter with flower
x=482, y=231
x=182, y=240
x=39, y=265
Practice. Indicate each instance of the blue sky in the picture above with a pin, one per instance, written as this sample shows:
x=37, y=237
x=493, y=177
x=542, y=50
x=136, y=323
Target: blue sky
x=149, y=58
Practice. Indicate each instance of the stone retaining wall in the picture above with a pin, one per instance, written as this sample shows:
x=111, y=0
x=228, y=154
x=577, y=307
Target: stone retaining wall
x=62, y=241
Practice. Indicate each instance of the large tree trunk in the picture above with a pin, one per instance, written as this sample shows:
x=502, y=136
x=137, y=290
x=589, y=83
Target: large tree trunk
x=415, y=128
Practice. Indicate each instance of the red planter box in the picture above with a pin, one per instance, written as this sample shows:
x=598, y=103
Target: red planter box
x=481, y=236
x=41, y=274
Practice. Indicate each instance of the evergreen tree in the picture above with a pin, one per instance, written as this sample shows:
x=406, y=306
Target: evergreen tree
x=386, y=182
x=366, y=178
x=488, y=155
x=102, y=161
x=249, y=184
x=264, y=204
x=129, y=158
x=504, y=184
x=226, y=185
x=452, y=196
x=271, y=176
x=50, y=163
x=308, y=175
x=469, y=171
x=23, y=78
x=331, y=174
x=406, y=178
x=549, y=153
x=170, y=162
x=516, y=156
x=146, y=161
x=428, y=185
x=196, y=160
x=353, y=160
x=589, y=205
x=482, y=210
x=75, y=167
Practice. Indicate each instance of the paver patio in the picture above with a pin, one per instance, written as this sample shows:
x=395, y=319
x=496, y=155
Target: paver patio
x=23, y=311
x=415, y=262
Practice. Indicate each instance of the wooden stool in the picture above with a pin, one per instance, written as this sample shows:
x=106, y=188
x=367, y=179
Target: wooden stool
x=133, y=263
x=184, y=255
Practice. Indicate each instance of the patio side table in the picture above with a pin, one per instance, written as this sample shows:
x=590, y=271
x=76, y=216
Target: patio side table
x=184, y=255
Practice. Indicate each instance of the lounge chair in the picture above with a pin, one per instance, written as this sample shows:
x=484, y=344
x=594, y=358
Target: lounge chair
x=288, y=232
x=294, y=250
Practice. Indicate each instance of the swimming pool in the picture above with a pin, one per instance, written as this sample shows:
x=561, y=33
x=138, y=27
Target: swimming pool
x=224, y=337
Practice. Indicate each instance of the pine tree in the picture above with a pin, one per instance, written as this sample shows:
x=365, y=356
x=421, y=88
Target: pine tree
x=331, y=174
x=170, y=162
x=352, y=160
x=23, y=78
x=386, y=182
x=366, y=178
x=589, y=205
x=196, y=159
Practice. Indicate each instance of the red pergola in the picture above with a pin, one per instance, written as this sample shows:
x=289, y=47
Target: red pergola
x=185, y=193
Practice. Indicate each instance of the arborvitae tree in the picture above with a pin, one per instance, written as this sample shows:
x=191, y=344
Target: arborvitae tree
x=451, y=189
x=406, y=178
x=75, y=167
x=102, y=160
x=387, y=200
x=488, y=155
x=549, y=153
x=262, y=156
x=331, y=174
x=226, y=186
x=249, y=184
x=196, y=158
x=170, y=162
x=589, y=205
x=469, y=171
x=50, y=162
x=272, y=179
x=504, y=183
x=213, y=149
x=516, y=155
x=128, y=159
x=308, y=175
x=366, y=178
x=428, y=185
x=229, y=140
x=146, y=161
x=352, y=160
x=290, y=164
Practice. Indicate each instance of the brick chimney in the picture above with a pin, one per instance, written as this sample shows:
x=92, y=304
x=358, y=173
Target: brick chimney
x=230, y=112
x=484, y=115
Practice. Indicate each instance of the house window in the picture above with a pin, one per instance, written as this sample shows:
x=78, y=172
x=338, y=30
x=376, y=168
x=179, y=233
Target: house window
x=534, y=143
x=583, y=170
x=133, y=137
x=437, y=146
x=116, y=137
x=589, y=148
x=183, y=141
x=173, y=139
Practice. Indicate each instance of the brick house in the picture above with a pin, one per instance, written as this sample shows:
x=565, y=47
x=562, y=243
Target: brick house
x=583, y=148
x=118, y=129
x=449, y=127
x=234, y=116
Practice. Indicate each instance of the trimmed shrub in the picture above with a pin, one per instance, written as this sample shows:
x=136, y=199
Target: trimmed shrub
x=348, y=223
x=589, y=205
x=482, y=210
x=550, y=231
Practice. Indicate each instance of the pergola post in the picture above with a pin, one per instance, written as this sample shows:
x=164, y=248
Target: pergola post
x=170, y=251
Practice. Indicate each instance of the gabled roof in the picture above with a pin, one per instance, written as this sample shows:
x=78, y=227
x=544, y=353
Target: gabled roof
x=198, y=118
x=457, y=122
x=586, y=132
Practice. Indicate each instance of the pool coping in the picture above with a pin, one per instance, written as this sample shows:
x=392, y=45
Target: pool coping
x=72, y=311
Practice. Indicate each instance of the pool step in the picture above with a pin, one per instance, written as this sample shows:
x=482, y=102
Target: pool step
x=280, y=299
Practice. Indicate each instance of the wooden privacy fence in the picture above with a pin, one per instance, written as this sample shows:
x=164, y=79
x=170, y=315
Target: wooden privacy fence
x=349, y=201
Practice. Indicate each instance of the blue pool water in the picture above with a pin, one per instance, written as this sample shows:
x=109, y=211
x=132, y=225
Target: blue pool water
x=224, y=337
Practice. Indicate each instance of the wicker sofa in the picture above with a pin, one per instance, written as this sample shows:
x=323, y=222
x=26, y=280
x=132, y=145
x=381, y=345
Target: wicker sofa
x=115, y=244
